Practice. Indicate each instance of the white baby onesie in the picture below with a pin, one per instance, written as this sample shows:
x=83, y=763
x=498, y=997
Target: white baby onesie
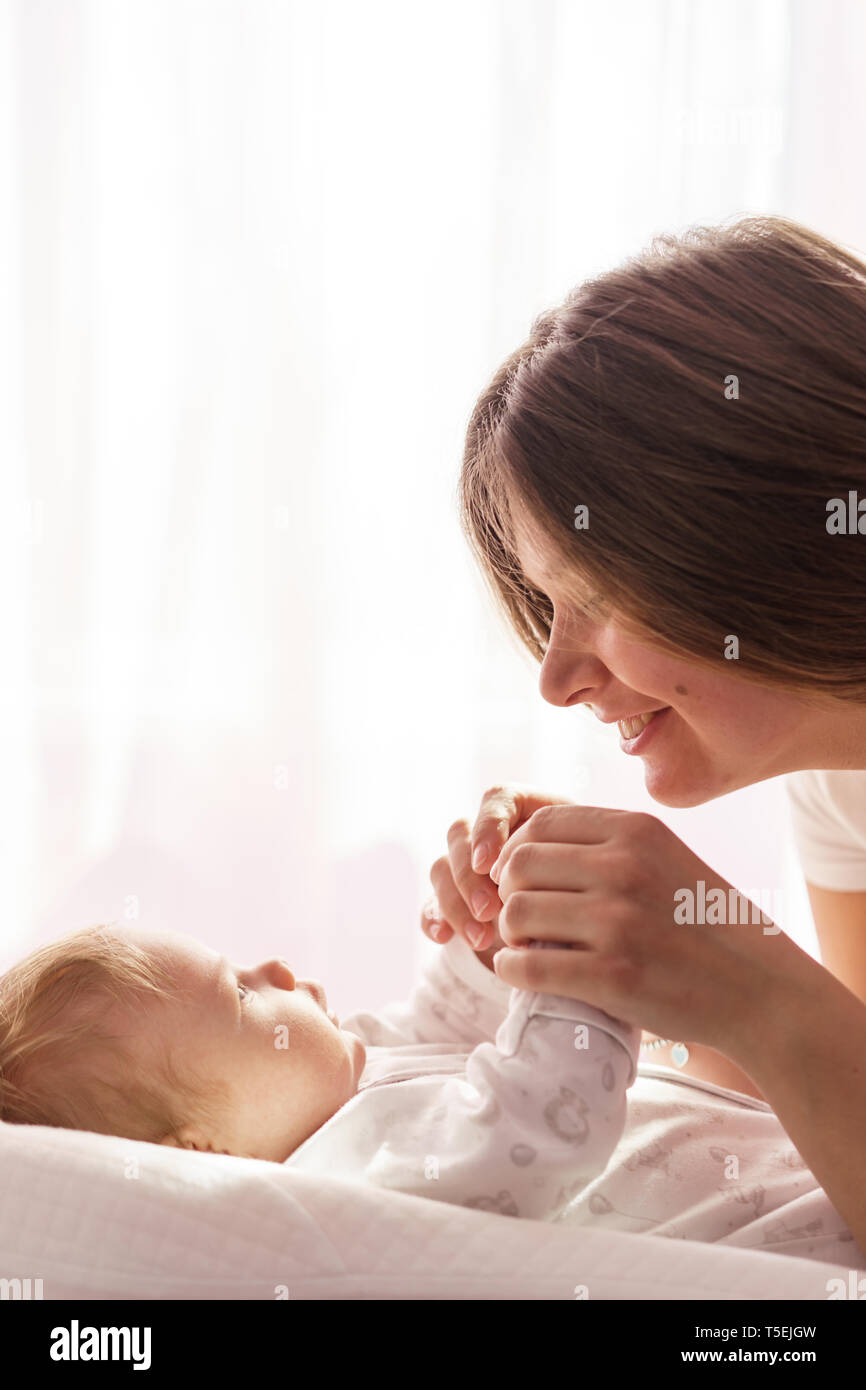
x=695, y=1162
x=517, y=1125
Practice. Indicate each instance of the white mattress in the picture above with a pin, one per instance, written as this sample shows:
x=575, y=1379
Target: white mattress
x=97, y=1217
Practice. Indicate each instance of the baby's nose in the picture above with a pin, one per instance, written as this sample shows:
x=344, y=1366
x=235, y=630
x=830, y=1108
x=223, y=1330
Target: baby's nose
x=279, y=972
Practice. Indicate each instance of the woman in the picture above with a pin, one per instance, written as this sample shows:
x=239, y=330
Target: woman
x=662, y=488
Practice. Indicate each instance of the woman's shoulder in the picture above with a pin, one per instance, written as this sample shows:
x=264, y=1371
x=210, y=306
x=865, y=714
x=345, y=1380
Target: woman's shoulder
x=828, y=814
x=835, y=792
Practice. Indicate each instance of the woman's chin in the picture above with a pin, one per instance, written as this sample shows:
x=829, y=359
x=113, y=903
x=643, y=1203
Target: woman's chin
x=679, y=790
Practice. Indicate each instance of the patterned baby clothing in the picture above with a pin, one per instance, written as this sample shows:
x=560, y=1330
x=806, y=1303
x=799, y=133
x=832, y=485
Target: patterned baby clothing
x=512, y=1114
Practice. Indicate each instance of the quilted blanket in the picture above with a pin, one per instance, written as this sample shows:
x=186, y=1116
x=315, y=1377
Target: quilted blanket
x=96, y=1217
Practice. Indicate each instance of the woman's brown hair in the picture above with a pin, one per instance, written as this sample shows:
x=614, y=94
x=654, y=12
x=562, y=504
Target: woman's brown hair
x=705, y=402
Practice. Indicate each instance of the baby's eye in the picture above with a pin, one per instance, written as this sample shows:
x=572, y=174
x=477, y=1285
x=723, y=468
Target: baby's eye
x=244, y=988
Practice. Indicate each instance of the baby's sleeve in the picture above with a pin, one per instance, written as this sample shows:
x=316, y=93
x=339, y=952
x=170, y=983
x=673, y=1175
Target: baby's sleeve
x=536, y=1118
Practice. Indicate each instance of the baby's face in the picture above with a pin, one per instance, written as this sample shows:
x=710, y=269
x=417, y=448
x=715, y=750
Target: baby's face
x=260, y=1030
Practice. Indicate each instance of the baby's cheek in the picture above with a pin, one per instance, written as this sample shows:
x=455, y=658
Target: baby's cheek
x=345, y=1068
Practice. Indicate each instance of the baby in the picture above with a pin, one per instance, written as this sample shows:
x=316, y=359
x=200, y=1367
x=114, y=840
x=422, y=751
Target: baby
x=471, y=1092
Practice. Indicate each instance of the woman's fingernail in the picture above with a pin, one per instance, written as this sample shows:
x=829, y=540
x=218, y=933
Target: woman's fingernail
x=436, y=930
x=494, y=870
x=479, y=856
x=476, y=935
x=480, y=901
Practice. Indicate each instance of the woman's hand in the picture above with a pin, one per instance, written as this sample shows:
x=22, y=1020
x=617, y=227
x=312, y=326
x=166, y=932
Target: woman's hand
x=466, y=898
x=604, y=882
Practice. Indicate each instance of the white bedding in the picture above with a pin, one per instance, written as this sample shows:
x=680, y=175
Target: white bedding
x=103, y=1218
x=94, y=1216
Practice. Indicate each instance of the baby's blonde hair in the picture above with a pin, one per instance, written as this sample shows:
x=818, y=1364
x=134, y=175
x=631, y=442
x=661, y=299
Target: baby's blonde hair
x=61, y=1065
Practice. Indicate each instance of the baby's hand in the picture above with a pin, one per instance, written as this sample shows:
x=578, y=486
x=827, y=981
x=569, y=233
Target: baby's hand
x=440, y=923
x=466, y=899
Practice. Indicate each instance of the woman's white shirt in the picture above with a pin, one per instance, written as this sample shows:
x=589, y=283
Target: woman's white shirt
x=828, y=813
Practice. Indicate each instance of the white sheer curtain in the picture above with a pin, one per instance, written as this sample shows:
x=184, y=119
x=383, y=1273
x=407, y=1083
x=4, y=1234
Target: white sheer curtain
x=257, y=262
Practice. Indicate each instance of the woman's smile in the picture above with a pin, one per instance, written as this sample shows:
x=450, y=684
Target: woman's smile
x=631, y=726
x=636, y=733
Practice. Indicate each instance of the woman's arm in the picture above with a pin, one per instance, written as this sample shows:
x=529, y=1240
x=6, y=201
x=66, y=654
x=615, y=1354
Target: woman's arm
x=704, y=1064
x=806, y=1050
x=840, y=921
x=602, y=883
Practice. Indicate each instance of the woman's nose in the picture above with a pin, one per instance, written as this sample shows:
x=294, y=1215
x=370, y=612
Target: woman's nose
x=564, y=679
x=566, y=675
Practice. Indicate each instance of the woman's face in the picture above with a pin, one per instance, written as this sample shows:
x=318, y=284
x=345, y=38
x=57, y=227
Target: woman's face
x=717, y=733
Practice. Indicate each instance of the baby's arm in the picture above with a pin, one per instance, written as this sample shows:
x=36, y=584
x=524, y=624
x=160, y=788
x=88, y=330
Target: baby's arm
x=536, y=1119
x=457, y=1000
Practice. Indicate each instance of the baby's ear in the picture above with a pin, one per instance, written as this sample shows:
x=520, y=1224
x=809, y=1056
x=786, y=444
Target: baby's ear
x=187, y=1138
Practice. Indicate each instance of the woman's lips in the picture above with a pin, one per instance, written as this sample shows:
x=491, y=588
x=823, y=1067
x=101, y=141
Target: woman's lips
x=631, y=727
x=640, y=740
